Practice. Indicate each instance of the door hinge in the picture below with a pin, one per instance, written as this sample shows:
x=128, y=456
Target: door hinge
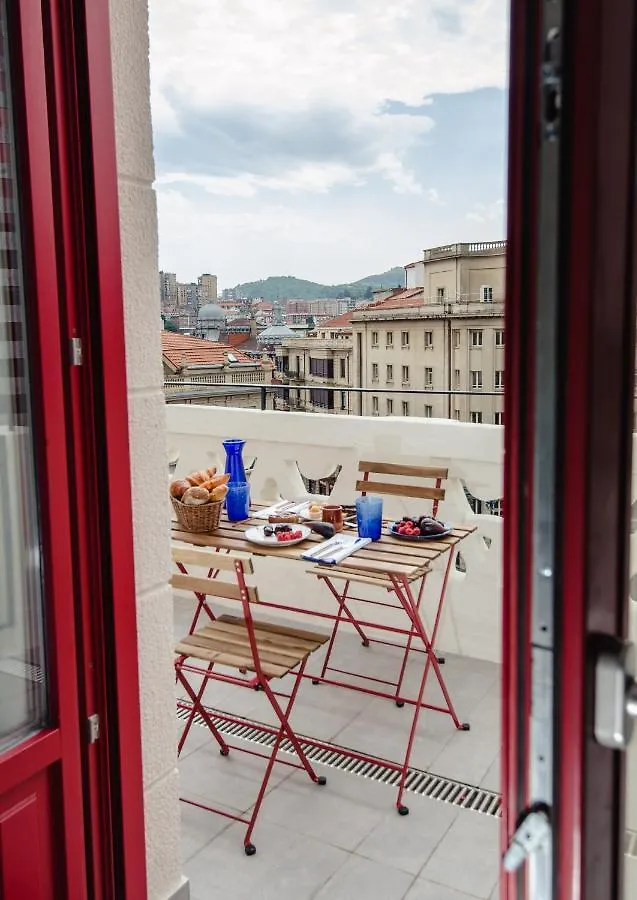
x=76, y=351
x=533, y=832
x=615, y=695
x=93, y=728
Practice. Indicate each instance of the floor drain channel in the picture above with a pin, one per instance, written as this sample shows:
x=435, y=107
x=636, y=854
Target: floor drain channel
x=424, y=784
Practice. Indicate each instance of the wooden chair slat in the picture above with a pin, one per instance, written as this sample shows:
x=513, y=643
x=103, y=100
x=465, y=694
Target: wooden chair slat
x=209, y=559
x=383, y=468
x=212, y=587
x=401, y=490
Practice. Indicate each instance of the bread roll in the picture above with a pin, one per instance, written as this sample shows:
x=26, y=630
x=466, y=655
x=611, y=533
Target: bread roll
x=197, y=478
x=212, y=483
x=195, y=496
x=178, y=488
x=219, y=493
x=212, y=471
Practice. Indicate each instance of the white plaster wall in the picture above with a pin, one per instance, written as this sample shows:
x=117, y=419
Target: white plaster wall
x=147, y=423
x=318, y=443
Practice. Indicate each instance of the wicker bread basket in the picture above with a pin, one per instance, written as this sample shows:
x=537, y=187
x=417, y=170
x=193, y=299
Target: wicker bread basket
x=198, y=519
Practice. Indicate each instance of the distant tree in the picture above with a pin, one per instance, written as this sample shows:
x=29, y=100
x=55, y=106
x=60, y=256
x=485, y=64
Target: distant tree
x=368, y=293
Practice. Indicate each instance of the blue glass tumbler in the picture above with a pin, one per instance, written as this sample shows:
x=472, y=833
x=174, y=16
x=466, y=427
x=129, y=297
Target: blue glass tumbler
x=369, y=517
x=234, y=460
x=238, y=501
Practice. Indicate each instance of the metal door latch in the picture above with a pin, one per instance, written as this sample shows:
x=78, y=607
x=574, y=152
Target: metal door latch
x=533, y=832
x=615, y=695
x=93, y=728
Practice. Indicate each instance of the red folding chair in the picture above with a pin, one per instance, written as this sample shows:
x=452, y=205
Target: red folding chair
x=267, y=651
x=414, y=489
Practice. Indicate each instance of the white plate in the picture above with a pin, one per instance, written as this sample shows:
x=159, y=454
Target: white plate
x=256, y=536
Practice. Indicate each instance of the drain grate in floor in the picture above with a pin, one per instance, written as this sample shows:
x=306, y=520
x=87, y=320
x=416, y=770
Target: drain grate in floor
x=419, y=782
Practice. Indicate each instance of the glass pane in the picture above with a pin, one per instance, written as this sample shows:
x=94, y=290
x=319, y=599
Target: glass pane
x=22, y=681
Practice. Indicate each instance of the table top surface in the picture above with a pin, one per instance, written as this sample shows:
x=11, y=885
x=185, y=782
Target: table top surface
x=375, y=563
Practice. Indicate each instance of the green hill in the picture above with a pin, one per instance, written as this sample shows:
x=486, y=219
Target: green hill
x=287, y=287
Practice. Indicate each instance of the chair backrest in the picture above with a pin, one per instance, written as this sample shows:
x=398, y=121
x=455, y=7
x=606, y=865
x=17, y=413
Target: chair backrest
x=435, y=492
x=214, y=561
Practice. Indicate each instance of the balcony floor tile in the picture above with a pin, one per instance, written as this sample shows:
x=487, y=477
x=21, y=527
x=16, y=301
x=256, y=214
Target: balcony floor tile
x=287, y=866
x=408, y=842
x=467, y=857
x=365, y=878
x=428, y=890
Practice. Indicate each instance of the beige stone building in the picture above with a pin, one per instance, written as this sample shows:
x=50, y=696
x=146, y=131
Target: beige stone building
x=322, y=358
x=442, y=333
x=208, y=289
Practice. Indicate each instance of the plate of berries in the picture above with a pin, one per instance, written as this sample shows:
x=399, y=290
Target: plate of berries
x=277, y=535
x=422, y=528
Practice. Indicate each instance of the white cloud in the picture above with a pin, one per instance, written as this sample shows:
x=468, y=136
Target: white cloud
x=314, y=178
x=287, y=204
x=287, y=55
x=484, y=214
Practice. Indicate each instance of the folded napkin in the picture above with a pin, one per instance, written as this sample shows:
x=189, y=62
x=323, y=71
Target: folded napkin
x=283, y=508
x=331, y=552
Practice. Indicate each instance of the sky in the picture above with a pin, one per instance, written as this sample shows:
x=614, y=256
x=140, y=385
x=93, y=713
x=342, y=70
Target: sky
x=327, y=139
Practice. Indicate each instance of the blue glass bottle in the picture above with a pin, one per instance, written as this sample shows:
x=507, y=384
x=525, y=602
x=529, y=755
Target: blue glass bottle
x=234, y=460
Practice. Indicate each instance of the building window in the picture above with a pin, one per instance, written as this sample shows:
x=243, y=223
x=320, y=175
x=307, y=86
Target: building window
x=323, y=368
x=499, y=338
x=332, y=335
x=343, y=400
x=499, y=380
x=456, y=378
x=404, y=339
x=389, y=340
x=390, y=407
x=476, y=418
x=498, y=418
x=375, y=404
x=456, y=415
x=476, y=379
x=405, y=374
x=374, y=371
x=405, y=408
x=475, y=338
x=322, y=398
x=390, y=374
x=486, y=294
x=441, y=294
x=429, y=377
x=374, y=339
x=429, y=411
x=456, y=338
x=429, y=340
x=342, y=368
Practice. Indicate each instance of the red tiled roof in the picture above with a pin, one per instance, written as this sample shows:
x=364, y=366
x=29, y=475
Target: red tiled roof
x=177, y=348
x=235, y=340
x=404, y=298
x=340, y=321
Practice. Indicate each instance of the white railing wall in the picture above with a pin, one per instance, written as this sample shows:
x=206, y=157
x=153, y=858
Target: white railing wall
x=282, y=446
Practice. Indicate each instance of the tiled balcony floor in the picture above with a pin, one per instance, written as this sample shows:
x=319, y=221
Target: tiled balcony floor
x=346, y=838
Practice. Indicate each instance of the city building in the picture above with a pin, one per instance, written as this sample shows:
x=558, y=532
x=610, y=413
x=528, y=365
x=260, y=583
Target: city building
x=211, y=321
x=322, y=357
x=442, y=333
x=168, y=289
x=207, y=285
x=202, y=372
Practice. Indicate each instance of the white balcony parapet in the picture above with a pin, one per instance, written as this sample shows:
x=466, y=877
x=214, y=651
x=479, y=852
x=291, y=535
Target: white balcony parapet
x=283, y=445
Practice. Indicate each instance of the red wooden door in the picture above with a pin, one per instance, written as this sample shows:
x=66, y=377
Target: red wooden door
x=42, y=834
x=571, y=380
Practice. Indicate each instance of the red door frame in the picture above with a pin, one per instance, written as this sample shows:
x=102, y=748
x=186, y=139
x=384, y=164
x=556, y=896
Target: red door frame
x=56, y=750
x=70, y=171
x=87, y=191
x=597, y=228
